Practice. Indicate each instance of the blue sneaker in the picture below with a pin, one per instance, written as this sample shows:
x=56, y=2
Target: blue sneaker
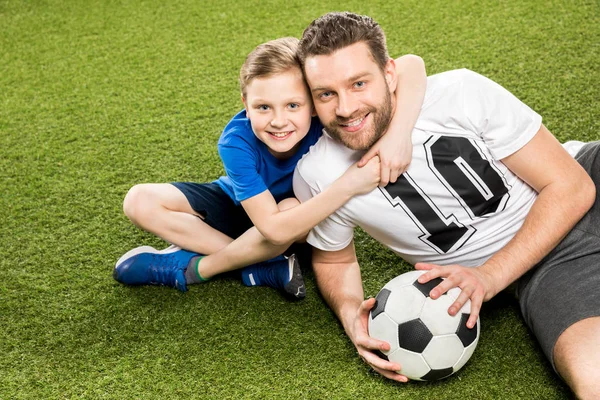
x=147, y=266
x=282, y=273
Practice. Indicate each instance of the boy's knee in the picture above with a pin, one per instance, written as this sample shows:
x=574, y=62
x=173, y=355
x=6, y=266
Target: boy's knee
x=136, y=203
x=288, y=203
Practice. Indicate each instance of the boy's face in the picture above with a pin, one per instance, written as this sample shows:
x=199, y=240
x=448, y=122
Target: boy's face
x=352, y=96
x=280, y=109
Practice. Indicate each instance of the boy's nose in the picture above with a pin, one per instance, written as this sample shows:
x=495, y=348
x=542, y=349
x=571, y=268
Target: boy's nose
x=279, y=121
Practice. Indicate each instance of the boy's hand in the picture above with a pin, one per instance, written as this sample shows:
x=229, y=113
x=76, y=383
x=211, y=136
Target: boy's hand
x=395, y=154
x=362, y=180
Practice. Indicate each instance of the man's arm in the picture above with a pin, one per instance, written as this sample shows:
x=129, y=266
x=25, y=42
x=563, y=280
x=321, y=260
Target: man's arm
x=338, y=278
x=565, y=194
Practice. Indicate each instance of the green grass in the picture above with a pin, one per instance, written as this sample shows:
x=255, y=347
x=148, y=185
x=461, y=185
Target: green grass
x=96, y=96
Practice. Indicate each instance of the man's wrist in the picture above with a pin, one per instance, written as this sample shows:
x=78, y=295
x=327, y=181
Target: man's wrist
x=348, y=318
x=495, y=281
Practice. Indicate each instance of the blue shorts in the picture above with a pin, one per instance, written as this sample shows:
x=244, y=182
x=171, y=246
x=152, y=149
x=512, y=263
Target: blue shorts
x=216, y=207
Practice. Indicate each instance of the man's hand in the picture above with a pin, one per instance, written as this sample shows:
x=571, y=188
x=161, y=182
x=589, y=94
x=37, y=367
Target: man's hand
x=366, y=345
x=395, y=154
x=474, y=283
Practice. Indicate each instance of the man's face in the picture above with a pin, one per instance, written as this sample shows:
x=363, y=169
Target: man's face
x=351, y=95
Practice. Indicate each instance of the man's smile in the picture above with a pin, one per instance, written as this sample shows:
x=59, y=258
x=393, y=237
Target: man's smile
x=355, y=124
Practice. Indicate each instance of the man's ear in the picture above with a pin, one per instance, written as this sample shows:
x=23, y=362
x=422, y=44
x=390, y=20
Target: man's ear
x=391, y=75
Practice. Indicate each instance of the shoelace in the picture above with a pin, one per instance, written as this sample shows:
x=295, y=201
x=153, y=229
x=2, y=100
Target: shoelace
x=163, y=268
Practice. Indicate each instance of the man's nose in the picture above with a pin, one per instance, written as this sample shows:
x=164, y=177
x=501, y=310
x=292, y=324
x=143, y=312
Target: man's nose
x=346, y=106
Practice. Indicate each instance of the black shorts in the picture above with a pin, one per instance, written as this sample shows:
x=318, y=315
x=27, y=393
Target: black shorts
x=564, y=287
x=216, y=207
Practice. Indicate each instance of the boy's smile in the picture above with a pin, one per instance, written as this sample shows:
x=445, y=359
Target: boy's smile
x=281, y=135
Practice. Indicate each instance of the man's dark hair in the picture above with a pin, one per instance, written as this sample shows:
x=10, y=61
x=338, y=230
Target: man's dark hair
x=336, y=30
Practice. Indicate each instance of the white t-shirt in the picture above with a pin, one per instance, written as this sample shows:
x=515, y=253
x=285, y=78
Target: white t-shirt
x=456, y=203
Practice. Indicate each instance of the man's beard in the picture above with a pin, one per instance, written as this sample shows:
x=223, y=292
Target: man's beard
x=382, y=115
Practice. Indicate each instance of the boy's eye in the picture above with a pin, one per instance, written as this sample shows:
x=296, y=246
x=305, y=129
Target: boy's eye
x=294, y=106
x=263, y=107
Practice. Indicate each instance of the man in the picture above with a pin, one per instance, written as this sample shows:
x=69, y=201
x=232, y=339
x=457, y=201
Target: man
x=488, y=198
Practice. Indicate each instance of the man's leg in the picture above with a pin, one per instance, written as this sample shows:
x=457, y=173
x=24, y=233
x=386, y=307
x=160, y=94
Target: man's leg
x=577, y=357
x=560, y=299
x=162, y=209
x=577, y=350
x=561, y=305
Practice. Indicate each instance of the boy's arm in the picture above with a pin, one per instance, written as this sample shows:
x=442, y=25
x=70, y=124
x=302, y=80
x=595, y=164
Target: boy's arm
x=395, y=147
x=281, y=227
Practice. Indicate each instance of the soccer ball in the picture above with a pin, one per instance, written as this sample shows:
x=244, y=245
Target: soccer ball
x=426, y=341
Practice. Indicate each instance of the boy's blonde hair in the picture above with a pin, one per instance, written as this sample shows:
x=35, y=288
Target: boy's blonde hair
x=273, y=57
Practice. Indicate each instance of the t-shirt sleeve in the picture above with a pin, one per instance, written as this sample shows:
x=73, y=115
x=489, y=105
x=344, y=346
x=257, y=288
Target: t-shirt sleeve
x=333, y=233
x=505, y=123
x=241, y=165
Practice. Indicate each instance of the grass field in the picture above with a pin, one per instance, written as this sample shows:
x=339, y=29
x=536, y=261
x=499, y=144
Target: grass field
x=96, y=96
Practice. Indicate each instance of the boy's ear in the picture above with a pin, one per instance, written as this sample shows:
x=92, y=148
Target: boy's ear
x=245, y=105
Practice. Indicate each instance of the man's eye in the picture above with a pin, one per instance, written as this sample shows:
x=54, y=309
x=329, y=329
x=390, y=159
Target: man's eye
x=325, y=95
x=359, y=84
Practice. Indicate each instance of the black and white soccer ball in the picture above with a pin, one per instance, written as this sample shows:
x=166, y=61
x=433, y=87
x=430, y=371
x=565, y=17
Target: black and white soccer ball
x=426, y=341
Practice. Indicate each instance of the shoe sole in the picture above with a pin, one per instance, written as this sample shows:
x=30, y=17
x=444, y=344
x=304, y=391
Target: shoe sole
x=295, y=287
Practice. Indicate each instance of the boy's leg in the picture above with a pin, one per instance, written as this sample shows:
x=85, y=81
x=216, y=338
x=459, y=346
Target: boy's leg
x=250, y=248
x=163, y=209
x=264, y=265
x=172, y=211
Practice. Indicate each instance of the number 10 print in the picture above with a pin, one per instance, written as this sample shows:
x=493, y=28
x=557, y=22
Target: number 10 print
x=475, y=183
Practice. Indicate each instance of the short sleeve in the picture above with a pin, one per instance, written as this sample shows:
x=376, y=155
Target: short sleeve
x=505, y=123
x=241, y=165
x=332, y=234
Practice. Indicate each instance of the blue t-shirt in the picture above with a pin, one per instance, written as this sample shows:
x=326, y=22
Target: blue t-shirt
x=251, y=168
